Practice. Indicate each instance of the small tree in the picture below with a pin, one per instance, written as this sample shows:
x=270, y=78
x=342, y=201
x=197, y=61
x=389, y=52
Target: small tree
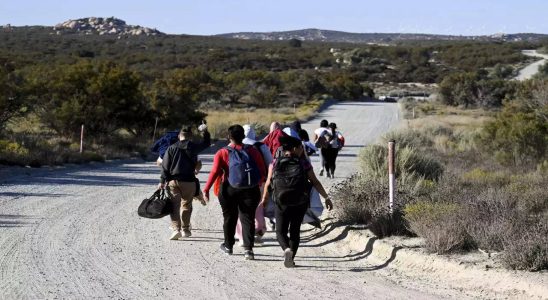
x=296, y=43
x=11, y=95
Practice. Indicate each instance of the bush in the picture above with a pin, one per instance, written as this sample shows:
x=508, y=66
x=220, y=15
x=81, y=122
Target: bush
x=364, y=200
x=410, y=165
x=13, y=153
x=526, y=248
x=440, y=224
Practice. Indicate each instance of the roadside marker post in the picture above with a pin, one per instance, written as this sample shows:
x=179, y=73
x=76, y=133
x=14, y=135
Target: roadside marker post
x=154, y=132
x=391, y=173
x=82, y=139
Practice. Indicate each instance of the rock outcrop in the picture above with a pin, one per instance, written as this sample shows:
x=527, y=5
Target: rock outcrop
x=102, y=26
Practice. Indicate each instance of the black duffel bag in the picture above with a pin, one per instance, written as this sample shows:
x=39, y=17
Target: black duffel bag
x=157, y=206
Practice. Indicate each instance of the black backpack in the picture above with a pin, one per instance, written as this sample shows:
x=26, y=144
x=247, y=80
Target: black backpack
x=155, y=207
x=290, y=185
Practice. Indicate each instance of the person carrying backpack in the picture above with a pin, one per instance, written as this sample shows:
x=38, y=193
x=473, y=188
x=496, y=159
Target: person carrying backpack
x=290, y=177
x=180, y=165
x=330, y=153
x=260, y=226
x=243, y=171
x=321, y=139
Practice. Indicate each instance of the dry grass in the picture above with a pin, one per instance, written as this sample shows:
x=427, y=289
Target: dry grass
x=220, y=120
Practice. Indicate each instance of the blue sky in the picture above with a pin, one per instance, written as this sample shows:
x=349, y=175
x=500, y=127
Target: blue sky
x=466, y=17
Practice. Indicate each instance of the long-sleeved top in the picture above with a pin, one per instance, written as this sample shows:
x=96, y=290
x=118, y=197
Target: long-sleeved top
x=220, y=164
x=179, y=160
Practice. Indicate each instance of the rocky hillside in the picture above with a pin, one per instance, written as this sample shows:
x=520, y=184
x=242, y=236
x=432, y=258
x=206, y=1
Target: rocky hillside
x=102, y=26
x=347, y=37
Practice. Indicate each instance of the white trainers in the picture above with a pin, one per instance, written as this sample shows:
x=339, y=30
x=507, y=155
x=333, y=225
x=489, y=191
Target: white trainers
x=175, y=235
x=259, y=240
x=288, y=258
x=241, y=243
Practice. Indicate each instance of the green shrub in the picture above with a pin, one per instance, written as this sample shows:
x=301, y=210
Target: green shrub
x=479, y=176
x=440, y=224
x=407, y=138
x=526, y=247
x=410, y=165
x=364, y=200
x=13, y=153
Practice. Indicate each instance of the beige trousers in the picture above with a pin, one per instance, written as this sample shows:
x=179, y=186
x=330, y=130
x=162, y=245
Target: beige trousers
x=182, y=192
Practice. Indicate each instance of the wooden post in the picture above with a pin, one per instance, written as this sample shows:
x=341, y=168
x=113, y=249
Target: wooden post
x=154, y=132
x=82, y=139
x=413, y=113
x=294, y=108
x=391, y=173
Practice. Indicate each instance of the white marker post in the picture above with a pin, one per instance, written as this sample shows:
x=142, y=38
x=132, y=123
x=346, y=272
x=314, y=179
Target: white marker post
x=391, y=173
x=82, y=139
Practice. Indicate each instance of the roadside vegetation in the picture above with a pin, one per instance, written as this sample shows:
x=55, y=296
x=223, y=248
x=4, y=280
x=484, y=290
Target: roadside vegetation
x=467, y=178
x=120, y=88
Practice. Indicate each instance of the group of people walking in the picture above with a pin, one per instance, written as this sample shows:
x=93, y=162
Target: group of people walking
x=248, y=176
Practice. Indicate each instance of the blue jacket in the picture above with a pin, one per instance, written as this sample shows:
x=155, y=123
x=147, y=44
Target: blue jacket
x=161, y=145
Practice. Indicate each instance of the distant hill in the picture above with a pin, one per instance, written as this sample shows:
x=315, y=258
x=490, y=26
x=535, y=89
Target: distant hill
x=321, y=35
x=102, y=26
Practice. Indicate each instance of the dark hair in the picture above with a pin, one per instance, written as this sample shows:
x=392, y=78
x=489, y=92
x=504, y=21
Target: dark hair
x=296, y=125
x=185, y=131
x=236, y=133
x=324, y=123
x=333, y=126
x=289, y=142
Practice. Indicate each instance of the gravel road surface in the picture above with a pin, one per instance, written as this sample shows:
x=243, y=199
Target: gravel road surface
x=73, y=232
x=530, y=70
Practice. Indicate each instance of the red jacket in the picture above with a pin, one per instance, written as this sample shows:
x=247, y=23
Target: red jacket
x=220, y=165
x=272, y=140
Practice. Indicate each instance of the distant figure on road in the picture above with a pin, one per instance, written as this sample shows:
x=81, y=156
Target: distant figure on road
x=243, y=171
x=180, y=165
x=320, y=137
x=290, y=177
x=330, y=153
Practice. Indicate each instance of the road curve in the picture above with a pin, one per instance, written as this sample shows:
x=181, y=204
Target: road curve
x=74, y=233
x=530, y=70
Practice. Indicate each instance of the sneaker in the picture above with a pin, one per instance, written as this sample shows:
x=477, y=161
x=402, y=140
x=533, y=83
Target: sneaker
x=248, y=254
x=259, y=240
x=225, y=249
x=328, y=175
x=288, y=258
x=321, y=172
x=187, y=233
x=241, y=243
x=175, y=235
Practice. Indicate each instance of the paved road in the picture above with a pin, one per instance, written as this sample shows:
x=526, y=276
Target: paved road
x=73, y=233
x=529, y=71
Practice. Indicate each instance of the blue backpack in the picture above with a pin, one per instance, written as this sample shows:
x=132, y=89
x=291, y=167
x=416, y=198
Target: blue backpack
x=242, y=169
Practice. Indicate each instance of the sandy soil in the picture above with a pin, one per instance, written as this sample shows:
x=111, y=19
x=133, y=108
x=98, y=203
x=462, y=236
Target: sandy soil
x=73, y=232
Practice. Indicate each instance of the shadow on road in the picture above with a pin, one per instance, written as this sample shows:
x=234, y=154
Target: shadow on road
x=17, y=220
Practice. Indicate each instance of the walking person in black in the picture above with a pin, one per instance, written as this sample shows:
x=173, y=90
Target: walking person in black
x=332, y=150
x=180, y=165
x=290, y=177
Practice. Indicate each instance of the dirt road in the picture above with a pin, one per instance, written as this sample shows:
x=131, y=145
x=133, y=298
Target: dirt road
x=74, y=233
x=529, y=71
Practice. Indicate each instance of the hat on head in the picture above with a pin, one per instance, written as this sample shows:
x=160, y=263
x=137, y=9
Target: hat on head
x=289, y=142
